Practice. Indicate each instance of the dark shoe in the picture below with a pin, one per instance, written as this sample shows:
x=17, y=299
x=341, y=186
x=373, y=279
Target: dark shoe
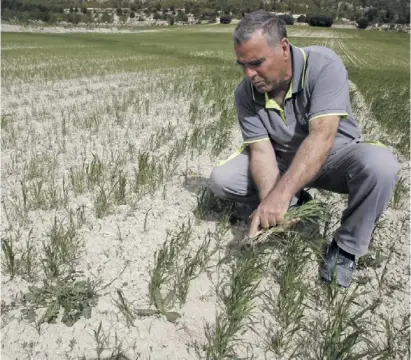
x=338, y=265
x=241, y=212
x=304, y=197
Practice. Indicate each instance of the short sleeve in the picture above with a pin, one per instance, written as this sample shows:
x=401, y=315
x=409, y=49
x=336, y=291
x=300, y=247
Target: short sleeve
x=330, y=93
x=252, y=128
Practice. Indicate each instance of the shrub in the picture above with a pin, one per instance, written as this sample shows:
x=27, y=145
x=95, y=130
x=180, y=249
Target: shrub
x=320, y=20
x=106, y=18
x=171, y=20
x=208, y=14
x=74, y=18
x=287, y=19
x=363, y=23
x=301, y=18
x=181, y=16
x=225, y=19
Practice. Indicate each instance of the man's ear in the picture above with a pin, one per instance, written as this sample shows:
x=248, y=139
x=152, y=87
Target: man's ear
x=285, y=48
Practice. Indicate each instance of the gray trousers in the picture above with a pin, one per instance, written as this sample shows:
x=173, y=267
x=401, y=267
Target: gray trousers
x=367, y=173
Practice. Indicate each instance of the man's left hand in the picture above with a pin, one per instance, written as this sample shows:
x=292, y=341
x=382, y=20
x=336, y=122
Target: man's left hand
x=270, y=213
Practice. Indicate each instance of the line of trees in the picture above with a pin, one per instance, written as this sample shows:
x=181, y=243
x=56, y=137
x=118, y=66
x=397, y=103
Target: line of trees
x=323, y=12
x=384, y=11
x=25, y=11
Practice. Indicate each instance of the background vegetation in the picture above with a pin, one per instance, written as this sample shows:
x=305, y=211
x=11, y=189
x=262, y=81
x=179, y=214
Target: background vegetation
x=76, y=11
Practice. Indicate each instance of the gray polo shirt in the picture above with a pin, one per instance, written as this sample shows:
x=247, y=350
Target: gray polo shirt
x=319, y=87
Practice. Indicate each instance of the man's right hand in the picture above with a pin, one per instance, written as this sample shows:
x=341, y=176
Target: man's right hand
x=271, y=212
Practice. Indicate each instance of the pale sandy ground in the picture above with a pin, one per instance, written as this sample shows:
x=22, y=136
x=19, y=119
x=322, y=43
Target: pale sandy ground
x=38, y=111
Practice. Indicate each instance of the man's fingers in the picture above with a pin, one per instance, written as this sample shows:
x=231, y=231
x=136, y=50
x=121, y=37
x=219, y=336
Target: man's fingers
x=265, y=223
x=254, y=226
x=290, y=223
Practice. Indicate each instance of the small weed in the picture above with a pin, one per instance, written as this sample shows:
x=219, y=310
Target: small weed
x=400, y=192
x=29, y=259
x=288, y=306
x=39, y=194
x=14, y=262
x=394, y=343
x=192, y=267
x=344, y=326
x=74, y=297
x=125, y=309
x=165, y=264
x=79, y=216
x=103, y=345
x=6, y=120
x=208, y=202
x=10, y=264
x=145, y=220
x=237, y=298
x=119, y=188
x=161, y=137
x=102, y=202
x=147, y=172
x=382, y=278
x=175, y=266
x=373, y=259
x=61, y=251
x=34, y=169
x=77, y=180
x=94, y=173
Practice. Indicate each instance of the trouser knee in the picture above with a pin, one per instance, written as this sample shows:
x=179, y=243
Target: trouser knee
x=217, y=182
x=379, y=168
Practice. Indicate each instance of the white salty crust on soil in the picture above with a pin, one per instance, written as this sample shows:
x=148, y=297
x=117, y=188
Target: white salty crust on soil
x=37, y=114
x=104, y=254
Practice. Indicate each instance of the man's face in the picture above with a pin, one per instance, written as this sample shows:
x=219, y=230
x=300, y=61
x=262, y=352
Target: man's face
x=266, y=67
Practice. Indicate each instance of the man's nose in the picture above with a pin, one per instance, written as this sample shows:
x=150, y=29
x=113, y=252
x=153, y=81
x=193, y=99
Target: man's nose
x=250, y=73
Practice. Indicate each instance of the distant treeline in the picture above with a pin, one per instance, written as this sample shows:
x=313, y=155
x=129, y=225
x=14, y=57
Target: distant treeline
x=314, y=12
x=24, y=11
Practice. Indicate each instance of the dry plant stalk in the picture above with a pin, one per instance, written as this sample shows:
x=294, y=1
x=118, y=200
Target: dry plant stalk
x=308, y=212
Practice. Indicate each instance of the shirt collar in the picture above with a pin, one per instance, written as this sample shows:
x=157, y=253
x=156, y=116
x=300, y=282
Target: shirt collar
x=299, y=59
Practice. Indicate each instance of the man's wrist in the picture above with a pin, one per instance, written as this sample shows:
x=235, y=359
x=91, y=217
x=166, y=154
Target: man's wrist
x=284, y=190
x=263, y=194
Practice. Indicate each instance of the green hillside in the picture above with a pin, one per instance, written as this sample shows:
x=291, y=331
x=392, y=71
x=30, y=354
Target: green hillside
x=377, y=11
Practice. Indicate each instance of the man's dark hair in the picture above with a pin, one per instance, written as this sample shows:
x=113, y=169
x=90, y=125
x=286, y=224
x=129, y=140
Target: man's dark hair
x=273, y=28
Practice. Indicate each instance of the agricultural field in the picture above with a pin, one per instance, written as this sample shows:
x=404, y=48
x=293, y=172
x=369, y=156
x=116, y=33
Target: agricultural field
x=112, y=247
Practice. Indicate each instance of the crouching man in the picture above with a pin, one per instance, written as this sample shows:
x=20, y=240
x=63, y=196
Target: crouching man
x=299, y=131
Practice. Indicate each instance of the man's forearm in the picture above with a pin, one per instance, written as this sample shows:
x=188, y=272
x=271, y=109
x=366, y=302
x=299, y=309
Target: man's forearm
x=306, y=164
x=265, y=173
